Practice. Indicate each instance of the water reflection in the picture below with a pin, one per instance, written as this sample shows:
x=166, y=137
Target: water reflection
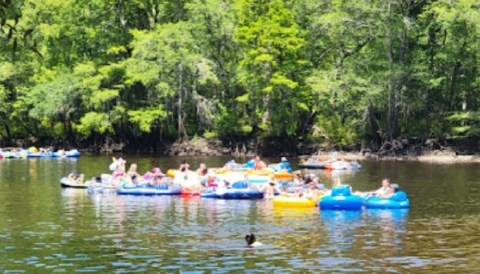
x=45, y=229
x=397, y=216
x=390, y=226
x=341, y=226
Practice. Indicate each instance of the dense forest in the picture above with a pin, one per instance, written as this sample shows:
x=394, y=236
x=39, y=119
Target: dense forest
x=339, y=73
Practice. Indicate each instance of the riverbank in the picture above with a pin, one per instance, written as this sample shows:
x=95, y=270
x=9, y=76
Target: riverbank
x=426, y=151
x=205, y=147
x=446, y=156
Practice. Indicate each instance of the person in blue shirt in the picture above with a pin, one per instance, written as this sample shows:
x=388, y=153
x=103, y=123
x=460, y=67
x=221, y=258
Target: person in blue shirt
x=250, y=164
x=285, y=165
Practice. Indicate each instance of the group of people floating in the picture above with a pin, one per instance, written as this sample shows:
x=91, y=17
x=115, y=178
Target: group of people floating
x=132, y=177
x=256, y=163
x=307, y=186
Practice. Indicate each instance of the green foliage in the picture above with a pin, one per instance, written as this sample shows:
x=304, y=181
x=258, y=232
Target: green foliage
x=94, y=122
x=333, y=133
x=333, y=71
x=271, y=66
x=145, y=118
x=209, y=134
x=464, y=124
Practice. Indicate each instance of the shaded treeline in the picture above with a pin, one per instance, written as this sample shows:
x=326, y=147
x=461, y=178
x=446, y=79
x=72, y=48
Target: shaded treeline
x=145, y=72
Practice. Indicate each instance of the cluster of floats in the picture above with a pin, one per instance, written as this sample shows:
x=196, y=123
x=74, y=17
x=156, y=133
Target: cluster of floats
x=328, y=163
x=33, y=152
x=252, y=180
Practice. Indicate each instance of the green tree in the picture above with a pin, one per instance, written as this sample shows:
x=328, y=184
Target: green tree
x=271, y=68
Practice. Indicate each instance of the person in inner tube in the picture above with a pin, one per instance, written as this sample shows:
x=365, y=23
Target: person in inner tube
x=270, y=189
x=74, y=177
x=386, y=191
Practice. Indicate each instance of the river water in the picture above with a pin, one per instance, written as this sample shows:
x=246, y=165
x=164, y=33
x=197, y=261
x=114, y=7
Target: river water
x=46, y=229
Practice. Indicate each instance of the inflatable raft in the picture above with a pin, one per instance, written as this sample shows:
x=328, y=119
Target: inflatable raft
x=69, y=153
x=312, y=165
x=398, y=200
x=341, y=198
x=149, y=190
x=342, y=165
x=39, y=154
x=232, y=193
x=238, y=190
x=65, y=182
x=282, y=175
x=292, y=202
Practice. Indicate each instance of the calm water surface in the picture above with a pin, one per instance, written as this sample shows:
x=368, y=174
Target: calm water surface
x=46, y=229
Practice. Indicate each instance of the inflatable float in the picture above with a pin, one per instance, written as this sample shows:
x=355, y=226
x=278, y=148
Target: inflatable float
x=312, y=165
x=39, y=154
x=341, y=198
x=342, y=165
x=69, y=153
x=65, y=182
x=398, y=200
x=292, y=202
x=231, y=193
x=238, y=190
x=282, y=175
x=162, y=189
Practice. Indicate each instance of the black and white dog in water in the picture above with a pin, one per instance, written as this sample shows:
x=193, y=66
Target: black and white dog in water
x=251, y=241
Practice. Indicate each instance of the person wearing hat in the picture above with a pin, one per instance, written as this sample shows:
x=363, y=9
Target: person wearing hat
x=285, y=165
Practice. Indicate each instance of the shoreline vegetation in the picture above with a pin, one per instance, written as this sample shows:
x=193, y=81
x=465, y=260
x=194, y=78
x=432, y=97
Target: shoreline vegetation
x=427, y=153
x=436, y=156
x=269, y=77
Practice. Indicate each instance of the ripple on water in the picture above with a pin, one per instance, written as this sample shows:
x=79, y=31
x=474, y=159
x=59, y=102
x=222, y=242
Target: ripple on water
x=89, y=269
x=125, y=234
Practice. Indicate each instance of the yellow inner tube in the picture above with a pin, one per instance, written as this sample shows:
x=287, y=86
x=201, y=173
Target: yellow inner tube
x=284, y=176
x=293, y=202
x=281, y=175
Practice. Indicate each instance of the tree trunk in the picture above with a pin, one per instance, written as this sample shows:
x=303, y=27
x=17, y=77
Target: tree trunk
x=392, y=96
x=375, y=128
x=8, y=141
x=179, y=11
x=182, y=133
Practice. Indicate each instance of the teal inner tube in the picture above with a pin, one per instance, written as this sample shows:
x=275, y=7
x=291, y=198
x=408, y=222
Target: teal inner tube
x=398, y=200
x=341, y=198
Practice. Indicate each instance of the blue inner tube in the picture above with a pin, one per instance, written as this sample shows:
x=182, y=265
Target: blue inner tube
x=39, y=154
x=341, y=198
x=232, y=193
x=398, y=200
x=146, y=190
x=70, y=153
